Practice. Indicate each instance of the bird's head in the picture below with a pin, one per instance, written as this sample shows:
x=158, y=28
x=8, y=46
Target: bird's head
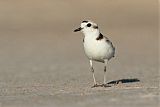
x=88, y=27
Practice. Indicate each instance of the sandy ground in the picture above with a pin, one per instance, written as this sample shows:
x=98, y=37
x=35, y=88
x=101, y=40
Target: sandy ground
x=42, y=62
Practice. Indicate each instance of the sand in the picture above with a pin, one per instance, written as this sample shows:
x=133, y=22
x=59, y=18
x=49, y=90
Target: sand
x=42, y=62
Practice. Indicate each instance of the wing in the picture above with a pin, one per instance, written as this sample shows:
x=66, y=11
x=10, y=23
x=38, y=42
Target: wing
x=112, y=47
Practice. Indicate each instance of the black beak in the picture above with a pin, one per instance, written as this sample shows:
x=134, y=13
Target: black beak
x=79, y=29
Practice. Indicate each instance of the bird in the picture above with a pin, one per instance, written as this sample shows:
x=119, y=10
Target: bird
x=96, y=47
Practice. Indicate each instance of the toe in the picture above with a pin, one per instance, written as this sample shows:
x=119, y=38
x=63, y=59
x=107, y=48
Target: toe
x=95, y=85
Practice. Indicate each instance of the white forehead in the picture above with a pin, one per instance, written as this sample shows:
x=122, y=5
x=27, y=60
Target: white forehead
x=84, y=23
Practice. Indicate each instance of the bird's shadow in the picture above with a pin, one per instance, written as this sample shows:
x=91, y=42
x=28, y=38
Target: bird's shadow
x=132, y=80
x=115, y=82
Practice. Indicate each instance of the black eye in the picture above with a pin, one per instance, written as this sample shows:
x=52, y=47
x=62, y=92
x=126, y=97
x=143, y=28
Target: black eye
x=88, y=25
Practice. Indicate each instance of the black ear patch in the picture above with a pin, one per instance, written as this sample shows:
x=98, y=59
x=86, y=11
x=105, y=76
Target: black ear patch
x=88, y=25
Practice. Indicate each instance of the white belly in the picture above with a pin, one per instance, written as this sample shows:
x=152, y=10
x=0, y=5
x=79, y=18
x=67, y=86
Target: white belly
x=98, y=49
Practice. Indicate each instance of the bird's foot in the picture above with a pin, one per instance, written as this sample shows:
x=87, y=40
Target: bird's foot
x=95, y=85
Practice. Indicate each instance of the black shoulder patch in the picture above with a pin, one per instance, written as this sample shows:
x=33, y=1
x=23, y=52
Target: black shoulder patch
x=99, y=37
x=84, y=21
x=83, y=40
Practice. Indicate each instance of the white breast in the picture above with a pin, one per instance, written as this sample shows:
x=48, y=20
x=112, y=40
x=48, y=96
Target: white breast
x=98, y=49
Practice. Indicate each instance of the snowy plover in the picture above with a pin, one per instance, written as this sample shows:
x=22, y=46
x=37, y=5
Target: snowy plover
x=96, y=46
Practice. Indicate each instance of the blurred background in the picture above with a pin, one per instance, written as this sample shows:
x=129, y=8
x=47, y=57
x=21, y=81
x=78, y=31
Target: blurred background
x=38, y=45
